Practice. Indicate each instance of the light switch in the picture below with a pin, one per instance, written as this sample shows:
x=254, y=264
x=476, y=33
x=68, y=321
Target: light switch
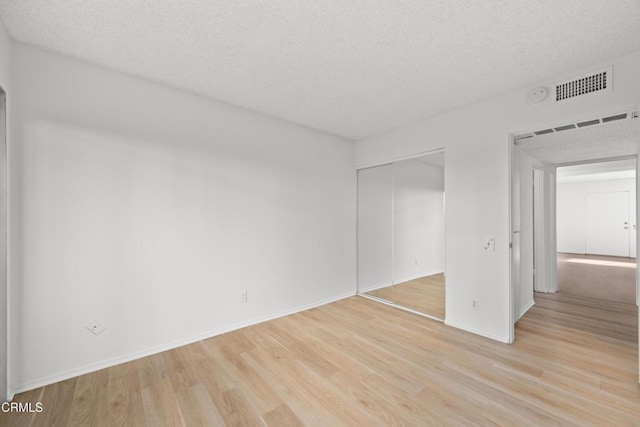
x=490, y=244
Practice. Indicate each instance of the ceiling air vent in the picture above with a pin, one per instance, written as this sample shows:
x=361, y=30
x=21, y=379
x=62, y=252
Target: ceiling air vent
x=614, y=118
x=583, y=85
x=565, y=127
x=520, y=139
x=589, y=123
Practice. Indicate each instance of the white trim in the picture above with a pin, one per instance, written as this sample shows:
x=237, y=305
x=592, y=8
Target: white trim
x=400, y=158
x=551, y=236
x=419, y=276
x=375, y=288
x=471, y=330
x=526, y=308
x=158, y=349
x=637, y=221
x=357, y=225
x=540, y=226
x=512, y=281
x=393, y=223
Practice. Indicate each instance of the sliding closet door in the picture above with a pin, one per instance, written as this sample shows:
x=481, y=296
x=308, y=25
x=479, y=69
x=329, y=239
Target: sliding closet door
x=375, y=271
x=418, y=235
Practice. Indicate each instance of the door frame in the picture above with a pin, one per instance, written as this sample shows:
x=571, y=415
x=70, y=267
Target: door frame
x=513, y=197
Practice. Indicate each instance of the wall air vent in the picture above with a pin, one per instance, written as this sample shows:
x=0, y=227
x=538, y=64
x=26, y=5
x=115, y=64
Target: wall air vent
x=583, y=85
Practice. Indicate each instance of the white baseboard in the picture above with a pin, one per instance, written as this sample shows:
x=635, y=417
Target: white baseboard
x=41, y=382
x=398, y=281
x=374, y=288
x=526, y=308
x=419, y=276
x=476, y=332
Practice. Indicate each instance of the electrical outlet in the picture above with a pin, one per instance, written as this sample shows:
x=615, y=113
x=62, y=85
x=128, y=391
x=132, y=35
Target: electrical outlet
x=475, y=304
x=243, y=296
x=95, y=328
x=415, y=261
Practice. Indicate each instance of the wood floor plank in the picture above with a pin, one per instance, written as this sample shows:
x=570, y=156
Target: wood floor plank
x=282, y=416
x=248, y=381
x=277, y=368
x=198, y=408
x=210, y=371
x=358, y=362
x=181, y=367
x=279, y=332
x=125, y=401
x=151, y=370
x=161, y=406
x=20, y=419
x=58, y=398
x=239, y=411
x=90, y=400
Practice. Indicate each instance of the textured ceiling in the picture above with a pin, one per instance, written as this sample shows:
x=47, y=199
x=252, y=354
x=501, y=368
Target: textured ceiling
x=349, y=67
x=618, y=169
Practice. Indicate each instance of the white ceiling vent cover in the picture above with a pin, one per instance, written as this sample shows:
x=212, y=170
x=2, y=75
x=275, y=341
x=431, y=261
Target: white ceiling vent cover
x=593, y=82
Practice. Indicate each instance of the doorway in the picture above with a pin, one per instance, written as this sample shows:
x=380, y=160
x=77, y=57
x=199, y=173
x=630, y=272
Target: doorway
x=586, y=141
x=596, y=230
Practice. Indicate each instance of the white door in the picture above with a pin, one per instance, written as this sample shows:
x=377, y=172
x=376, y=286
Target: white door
x=607, y=223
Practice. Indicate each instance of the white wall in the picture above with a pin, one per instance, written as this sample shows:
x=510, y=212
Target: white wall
x=5, y=60
x=476, y=140
x=571, y=213
x=418, y=220
x=5, y=57
x=149, y=210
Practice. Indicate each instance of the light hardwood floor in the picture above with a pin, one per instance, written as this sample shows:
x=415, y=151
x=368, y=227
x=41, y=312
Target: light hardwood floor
x=425, y=295
x=357, y=362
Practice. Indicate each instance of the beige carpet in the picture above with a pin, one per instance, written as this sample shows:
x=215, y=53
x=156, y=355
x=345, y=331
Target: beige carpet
x=594, y=276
